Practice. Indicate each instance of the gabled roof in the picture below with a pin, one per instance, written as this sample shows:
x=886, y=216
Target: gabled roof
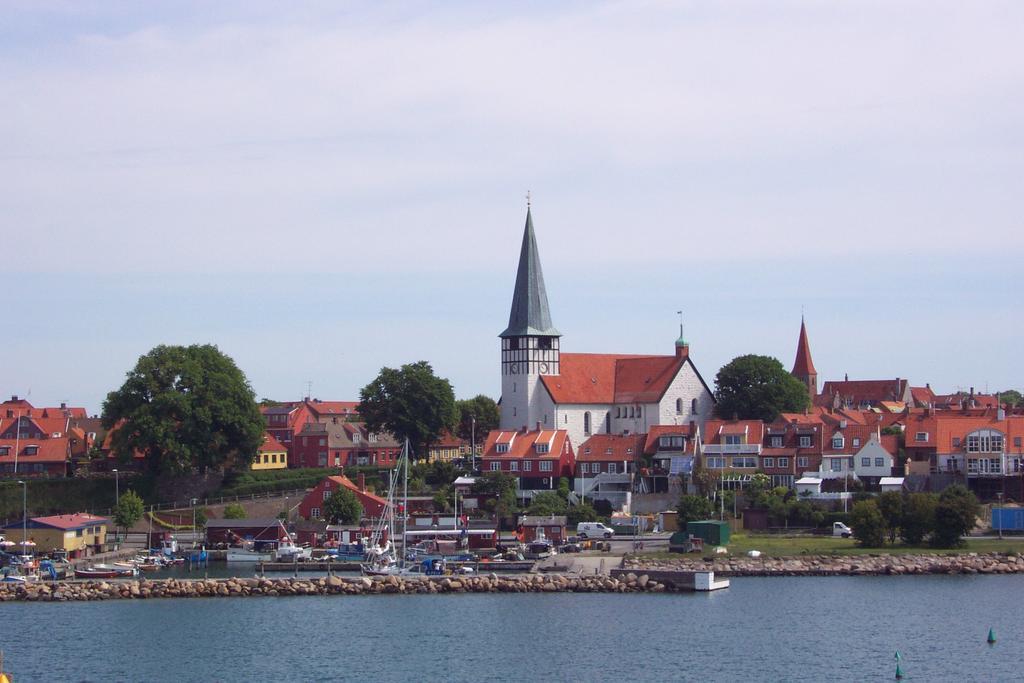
x=606, y=447
x=68, y=522
x=271, y=445
x=49, y=450
x=803, y=366
x=342, y=480
x=608, y=378
x=521, y=444
x=871, y=390
x=530, y=314
x=328, y=408
x=714, y=430
x=657, y=431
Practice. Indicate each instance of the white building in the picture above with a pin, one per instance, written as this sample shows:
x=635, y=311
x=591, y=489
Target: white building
x=585, y=393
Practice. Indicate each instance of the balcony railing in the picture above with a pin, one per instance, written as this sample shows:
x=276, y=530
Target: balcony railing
x=733, y=448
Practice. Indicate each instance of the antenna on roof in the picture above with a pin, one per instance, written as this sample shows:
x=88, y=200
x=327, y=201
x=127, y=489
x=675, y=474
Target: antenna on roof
x=309, y=389
x=527, y=200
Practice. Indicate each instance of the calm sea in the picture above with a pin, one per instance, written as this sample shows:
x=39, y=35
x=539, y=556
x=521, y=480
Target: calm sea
x=760, y=629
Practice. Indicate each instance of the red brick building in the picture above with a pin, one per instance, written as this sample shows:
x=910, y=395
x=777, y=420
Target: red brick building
x=536, y=458
x=312, y=505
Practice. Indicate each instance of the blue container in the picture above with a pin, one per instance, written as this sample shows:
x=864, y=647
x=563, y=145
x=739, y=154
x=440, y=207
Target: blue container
x=1007, y=519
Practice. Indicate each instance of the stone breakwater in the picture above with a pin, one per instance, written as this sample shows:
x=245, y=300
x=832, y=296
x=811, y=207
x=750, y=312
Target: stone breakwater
x=208, y=588
x=829, y=565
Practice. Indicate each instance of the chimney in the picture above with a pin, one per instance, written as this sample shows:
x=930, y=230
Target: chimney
x=1000, y=413
x=362, y=482
x=63, y=405
x=523, y=429
x=846, y=377
x=14, y=398
x=538, y=425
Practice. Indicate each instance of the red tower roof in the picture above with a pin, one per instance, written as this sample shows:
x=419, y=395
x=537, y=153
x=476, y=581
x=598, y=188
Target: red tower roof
x=803, y=366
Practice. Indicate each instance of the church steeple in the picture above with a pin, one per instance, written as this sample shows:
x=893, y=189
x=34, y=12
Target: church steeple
x=803, y=366
x=530, y=315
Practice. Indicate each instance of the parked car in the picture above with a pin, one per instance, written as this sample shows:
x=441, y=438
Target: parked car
x=594, y=530
x=840, y=529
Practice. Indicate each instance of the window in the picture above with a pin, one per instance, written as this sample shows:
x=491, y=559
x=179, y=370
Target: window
x=921, y=436
x=744, y=461
x=545, y=465
x=856, y=443
x=618, y=411
x=78, y=532
x=608, y=451
x=323, y=442
x=586, y=423
x=865, y=462
x=732, y=439
x=679, y=406
x=836, y=464
x=611, y=468
x=693, y=406
x=716, y=462
x=837, y=442
x=805, y=442
x=776, y=442
x=879, y=462
x=584, y=468
x=314, y=513
x=5, y=450
x=327, y=494
x=784, y=462
x=671, y=442
x=541, y=448
x=513, y=466
x=801, y=461
x=501, y=448
x=768, y=462
x=527, y=465
x=31, y=450
x=495, y=466
x=1016, y=442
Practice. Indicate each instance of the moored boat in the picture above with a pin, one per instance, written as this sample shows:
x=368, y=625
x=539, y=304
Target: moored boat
x=104, y=571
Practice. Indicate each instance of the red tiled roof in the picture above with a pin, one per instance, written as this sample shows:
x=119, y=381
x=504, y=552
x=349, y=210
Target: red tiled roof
x=803, y=365
x=715, y=429
x=657, y=431
x=342, y=480
x=68, y=522
x=271, y=445
x=521, y=444
x=866, y=389
x=608, y=378
x=50, y=450
x=621, y=447
x=923, y=395
x=320, y=408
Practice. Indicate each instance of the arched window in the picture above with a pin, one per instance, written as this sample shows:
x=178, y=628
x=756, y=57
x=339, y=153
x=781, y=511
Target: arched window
x=679, y=406
x=586, y=423
x=693, y=407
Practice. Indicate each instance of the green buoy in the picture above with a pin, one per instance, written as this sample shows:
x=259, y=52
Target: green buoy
x=991, y=637
x=898, y=658
x=899, y=672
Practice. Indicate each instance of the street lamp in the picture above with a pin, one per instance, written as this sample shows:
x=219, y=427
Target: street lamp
x=999, y=512
x=117, y=487
x=194, y=501
x=24, y=516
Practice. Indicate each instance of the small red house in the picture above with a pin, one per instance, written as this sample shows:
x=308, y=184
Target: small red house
x=312, y=505
x=537, y=458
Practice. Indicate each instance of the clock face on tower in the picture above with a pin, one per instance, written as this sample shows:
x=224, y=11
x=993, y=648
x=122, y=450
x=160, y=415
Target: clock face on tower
x=514, y=368
x=543, y=368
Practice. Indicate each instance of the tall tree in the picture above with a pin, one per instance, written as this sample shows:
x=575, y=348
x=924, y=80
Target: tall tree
x=955, y=516
x=128, y=510
x=1010, y=397
x=410, y=403
x=185, y=408
x=758, y=388
x=485, y=410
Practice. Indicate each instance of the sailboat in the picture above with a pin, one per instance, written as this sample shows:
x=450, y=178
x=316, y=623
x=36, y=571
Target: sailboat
x=382, y=560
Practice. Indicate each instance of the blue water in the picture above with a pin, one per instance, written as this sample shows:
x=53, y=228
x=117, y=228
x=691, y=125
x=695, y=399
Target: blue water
x=760, y=629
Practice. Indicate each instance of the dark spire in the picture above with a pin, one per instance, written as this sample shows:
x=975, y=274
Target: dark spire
x=530, y=314
x=803, y=366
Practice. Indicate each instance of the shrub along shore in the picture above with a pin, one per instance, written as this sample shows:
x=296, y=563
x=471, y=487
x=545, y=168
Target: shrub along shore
x=205, y=588
x=840, y=565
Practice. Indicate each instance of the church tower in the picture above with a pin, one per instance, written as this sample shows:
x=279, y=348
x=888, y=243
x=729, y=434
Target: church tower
x=803, y=366
x=529, y=345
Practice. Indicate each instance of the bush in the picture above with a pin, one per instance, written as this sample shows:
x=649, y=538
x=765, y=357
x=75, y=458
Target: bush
x=234, y=511
x=918, y=518
x=955, y=515
x=580, y=513
x=343, y=507
x=547, y=503
x=868, y=524
x=693, y=508
x=890, y=504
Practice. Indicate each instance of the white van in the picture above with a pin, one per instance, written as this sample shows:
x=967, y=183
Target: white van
x=593, y=530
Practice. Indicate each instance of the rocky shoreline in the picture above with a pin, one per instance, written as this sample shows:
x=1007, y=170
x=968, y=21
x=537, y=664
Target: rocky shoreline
x=836, y=565
x=204, y=588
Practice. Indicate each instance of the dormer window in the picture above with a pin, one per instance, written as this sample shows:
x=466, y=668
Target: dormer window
x=31, y=450
x=541, y=448
x=921, y=436
x=502, y=448
x=805, y=442
x=837, y=442
x=5, y=450
x=856, y=443
x=608, y=451
x=732, y=439
x=776, y=442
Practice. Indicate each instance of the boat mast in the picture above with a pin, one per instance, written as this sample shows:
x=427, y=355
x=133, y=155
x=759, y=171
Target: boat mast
x=405, y=503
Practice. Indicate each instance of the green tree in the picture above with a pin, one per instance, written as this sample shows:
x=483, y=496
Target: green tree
x=411, y=403
x=343, y=507
x=1010, y=397
x=201, y=517
x=693, y=509
x=502, y=488
x=955, y=515
x=580, y=513
x=185, y=408
x=128, y=510
x=890, y=504
x=234, y=511
x=868, y=524
x=918, y=518
x=443, y=499
x=547, y=503
x=484, y=410
x=758, y=388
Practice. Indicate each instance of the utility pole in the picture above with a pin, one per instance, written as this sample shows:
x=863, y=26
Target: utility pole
x=472, y=444
x=24, y=516
x=999, y=512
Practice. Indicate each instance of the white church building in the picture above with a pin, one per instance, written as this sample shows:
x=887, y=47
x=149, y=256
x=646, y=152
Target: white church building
x=586, y=393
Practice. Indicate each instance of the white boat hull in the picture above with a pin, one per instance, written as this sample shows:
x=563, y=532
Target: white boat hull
x=248, y=556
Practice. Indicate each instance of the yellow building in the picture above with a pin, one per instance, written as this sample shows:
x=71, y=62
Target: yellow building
x=447, y=449
x=271, y=455
x=79, y=534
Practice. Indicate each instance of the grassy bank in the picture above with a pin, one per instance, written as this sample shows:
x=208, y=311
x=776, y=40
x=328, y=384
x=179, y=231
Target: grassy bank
x=775, y=545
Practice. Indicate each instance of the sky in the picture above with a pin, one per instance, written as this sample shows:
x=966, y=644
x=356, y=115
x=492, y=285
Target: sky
x=322, y=189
